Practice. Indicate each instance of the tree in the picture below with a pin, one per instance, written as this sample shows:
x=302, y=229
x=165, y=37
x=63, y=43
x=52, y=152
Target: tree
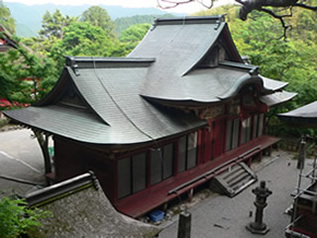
x=97, y=16
x=54, y=24
x=133, y=35
x=123, y=23
x=22, y=75
x=83, y=39
x=279, y=9
x=6, y=20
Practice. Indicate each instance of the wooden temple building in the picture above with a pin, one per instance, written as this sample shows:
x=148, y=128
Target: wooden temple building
x=180, y=109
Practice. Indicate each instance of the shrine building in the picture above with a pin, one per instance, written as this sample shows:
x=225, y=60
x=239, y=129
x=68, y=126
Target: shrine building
x=180, y=109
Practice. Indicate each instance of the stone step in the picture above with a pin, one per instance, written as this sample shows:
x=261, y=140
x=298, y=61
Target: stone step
x=234, y=180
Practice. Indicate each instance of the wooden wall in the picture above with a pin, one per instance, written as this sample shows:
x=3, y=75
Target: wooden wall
x=72, y=159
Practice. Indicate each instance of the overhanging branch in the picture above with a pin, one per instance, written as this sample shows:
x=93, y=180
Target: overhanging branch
x=314, y=8
x=174, y=3
x=281, y=18
x=248, y=6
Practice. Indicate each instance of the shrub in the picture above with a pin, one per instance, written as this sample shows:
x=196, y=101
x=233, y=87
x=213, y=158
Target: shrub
x=16, y=218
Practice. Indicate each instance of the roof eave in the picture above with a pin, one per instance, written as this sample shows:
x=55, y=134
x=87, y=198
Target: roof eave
x=240, y=83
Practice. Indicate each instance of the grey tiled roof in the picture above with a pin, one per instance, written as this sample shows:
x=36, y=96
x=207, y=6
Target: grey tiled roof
x=272, y=84
x=277, y=98
x=178, y=46
x=112, y=94
x=303, y=116
x=166, y=65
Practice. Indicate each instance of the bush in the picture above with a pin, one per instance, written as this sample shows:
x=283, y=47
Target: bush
x=16, y=218
x=4, y=122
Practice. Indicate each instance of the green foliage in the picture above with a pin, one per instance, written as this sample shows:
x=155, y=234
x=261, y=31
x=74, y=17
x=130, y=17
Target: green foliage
x=22, y=73
x=83, y=39
x=4, y=122
x=53, y=24
x=63, y=35
x=123, y=23
x=17, y=219
x=97, y=16
x=6, y=83
x=133, y=35
x=6, y=19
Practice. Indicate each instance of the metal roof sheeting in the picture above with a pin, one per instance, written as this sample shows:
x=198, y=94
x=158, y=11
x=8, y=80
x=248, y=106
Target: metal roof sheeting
x=303, y=116
x=277, y=98
x=112, y=94
x=177, y=49
x=273, y=84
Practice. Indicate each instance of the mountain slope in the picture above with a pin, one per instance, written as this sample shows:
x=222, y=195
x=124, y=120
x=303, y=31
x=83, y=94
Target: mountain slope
x=29, y=18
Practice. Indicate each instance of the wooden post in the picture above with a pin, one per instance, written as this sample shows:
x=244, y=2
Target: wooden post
x=43, y=142
x=302, y=154
x=184, y=225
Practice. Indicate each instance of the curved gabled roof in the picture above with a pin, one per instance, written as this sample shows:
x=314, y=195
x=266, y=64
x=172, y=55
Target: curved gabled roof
x=206, y=85
x=112, y=113
x=179, y=47
x=178, y=44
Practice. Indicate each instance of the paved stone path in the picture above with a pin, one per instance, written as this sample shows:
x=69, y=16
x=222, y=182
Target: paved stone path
x=20, y=158
x=222, y=217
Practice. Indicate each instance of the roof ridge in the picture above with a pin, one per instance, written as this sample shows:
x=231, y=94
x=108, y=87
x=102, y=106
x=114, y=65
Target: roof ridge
x=217, y=19
x=106, y=62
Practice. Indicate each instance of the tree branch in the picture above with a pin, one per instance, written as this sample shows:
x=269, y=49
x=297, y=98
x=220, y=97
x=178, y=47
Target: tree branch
x=281, y=18
x=314, y=8
x=250, y=5
x=175, y=3
x=205, y=5
x=247, y=5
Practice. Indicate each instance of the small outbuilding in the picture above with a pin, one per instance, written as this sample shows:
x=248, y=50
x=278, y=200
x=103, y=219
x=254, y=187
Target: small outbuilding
x=181, y=108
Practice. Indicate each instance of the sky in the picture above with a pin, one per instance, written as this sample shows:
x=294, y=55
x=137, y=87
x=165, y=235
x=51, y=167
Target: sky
x=184, y=8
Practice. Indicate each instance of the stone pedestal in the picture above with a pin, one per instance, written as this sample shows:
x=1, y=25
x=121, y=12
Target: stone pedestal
x=258, y=226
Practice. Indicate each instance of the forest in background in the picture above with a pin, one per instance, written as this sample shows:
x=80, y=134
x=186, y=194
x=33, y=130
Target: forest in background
x=40, y=59
x=28, y=17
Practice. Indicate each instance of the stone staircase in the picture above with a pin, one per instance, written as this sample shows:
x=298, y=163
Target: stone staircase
x=233, y=180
